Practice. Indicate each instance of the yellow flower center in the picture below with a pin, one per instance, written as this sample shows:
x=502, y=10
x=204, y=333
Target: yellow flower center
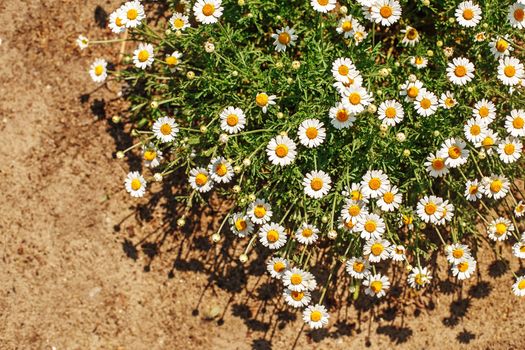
x=311, y=132
x=259, y=211
x=316, y=316
x=468, y=14
x=385, y=11
x=496, y=185
x=407, y=220
x=487, y=142
x=419, y=60
x=171, y=60
x=279, y=266
x=354, y=98
x=449, y=102
x=232, y=120
x=425, y=103
x=281, y=150
x=388, y=197
x=374, y=183
x=483, y=111
x=509, y=149
x=296, y=279
x=358, y=266
x=518, y=123
x=430, y=208
x=463, y=266
x=509, y=71
x=201, y=179
x=390, y=112
x=473, y=189
x=272, y=236
x=522, y=249
x=178, y=23
x=454, y=152
x=377, y=249
x=475, y=130
x=165, y=129
x=376, y=286
x=241, y=225
x=460, y=71
x=519, y=14
x=221, y=169
x=412, y=92
x=370, y=226
x=143, y=55
x=419, y=279
x=149, y=155
x=347, y=26
x=343, y=70
x=322, y=2
x=316, y=184
x=356, y=195
x=297, y=296
x=307, y=232
x=501, y=45
x=284, y=38
x=99, y=70
x=438, y=164
x=118, y=22
x=521, y=285
x=132, y=14
x=208, y=9
x=501, y=228
x=412, y=34
x=354, y=210
x=457, y=253
x=136, y=184
x=341, y=115
x=261, y=99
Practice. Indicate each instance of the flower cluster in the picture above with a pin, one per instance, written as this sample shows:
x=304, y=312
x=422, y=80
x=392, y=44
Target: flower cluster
x=365, y=125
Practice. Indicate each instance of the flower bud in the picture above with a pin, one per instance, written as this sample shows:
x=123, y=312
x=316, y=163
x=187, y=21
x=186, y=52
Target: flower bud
x=203, y=129
x=120, y=155
x=343, y=10
x=372, y=108
x=243, y=258
x=190, y=75
x=406, y=153
x=215, y=237
x=324, y=219
x=280, y=115
x=383, y=127
x=251, y=197
x=157, y=177
x=246, y=162
x=237, y=169
x=223, y=138
x=154, y=104
x=236, y=189
x=332, y=234
x=401, y=137
x=296, y=65
x=115, y=119
x=181, y=222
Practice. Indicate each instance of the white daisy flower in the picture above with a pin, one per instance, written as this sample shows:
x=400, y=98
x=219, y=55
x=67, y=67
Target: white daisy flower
x=510, y=71
x=358, y=267
x=518, y=249
x=473, y=190
x=82, y=42
x=281, y=150
x=317, y=184
x=299, y=280
x=518, y=288
x=263, y=100
x=353, y=79
x=398, y=253
x=510, y=150
x=419, y=277
x=360, y=33
x=173, y=60
x=283, y=38
x=426, y=103
x=496, y=186
x=464, y=269
x=447, y=100
x=406, y=220
x=277, y=266
x=353, y=210
x=500, y=46
x=447, y=212
x=152, y=156
x=386, y=12
x=342, y=68
x=135, y=184
x=259, y=211
x=307, y=234
x=143, y=56
x=341, y=117
x=356, y=98
x=485, y=111
x=515, y=123
x=316, y=315
x=475, y=130
x=391, y=112
x=345, y=26
x=98, y=70
x=200, y=180
x=347, y=226
x=233, y=120
x=436, y=165
x=323, y=6
x=489, y=141
x=371, y=226
x=519, y=209
x=374, y=183
x=297, y=299
x=272, y=236
x=377, y=250
x=411, y=90
x=241, y=225
x=311, y=133
x=411, y=36
x=376, y=285
x=221, y=171
x=165, y=129
x=390, y=200
x=133, y=14
x=468, y=14
x=419, y=62
x=516, y=15
x=500, y=229
x=460, y=71
x=207, y=11
x=429, y=209
x=179, y=21
x=116, y=23
x=454, y=152
x=457, y=252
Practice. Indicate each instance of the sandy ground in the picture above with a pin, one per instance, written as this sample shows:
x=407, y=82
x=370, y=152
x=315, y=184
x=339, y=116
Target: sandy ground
x=82, y=268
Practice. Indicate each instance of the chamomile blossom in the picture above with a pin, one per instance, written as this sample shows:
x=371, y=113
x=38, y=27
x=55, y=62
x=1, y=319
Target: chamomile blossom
x=515, y=123
x=277, y=266
x=208, y=11
x=398, y=253
x=311, y=133
x=260, y=211
x=390, y=200
x=317, y=184
x=353, y=78
x=151, y=155
x=98, y=70
x=500, y=229
x=133, y=14
x=519, y=209
x=281, y=150
x=143, y=56
x=510, y=71
x=307, y=234
x=135, y=184
x=500, y=46
x=435, y=165
x=179, y=21
x=221, y=171
x=297, y=299
x=468, y=14
x=376, y=285
x=263, y=100
x=82, y=42
x=426, y=103
x=341, y=117
x=115, y=22
x=518, y=249
x=360, y=33
x=411, y=36
x=456, y=252
x=464, y=269
x=386, y=12
x=284, y=38
x=516, y=15
x=518, y=288
x=165, y=129
x=377, y=250
x=447, y=100
x=345, y=26
x=489, y=141
x=510, y=150
x=298, y=280
x=485, y=111
x=241, y=225
x=454, y=151
x=371, y=226
x=419, y=62
x=447, y=212
x=474, y=130
x=353, y=210
x=411, y=90
x=354, y=192
x=200, y=180
x=419, y=277
x=429, y=209
x=460, y=71
x=390, y=112
x=496, y=186
x=406, y=220
x=342, y=68
x=272, y=236
x=323, y=6
x=374, y=183
x=233, y=120
x=173, y=60
x=316, y=315
x=356, y=98
x=357, y=267
x=473, y=190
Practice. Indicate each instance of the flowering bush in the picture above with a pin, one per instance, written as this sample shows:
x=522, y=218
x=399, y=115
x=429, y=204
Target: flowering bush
x=370, y=126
